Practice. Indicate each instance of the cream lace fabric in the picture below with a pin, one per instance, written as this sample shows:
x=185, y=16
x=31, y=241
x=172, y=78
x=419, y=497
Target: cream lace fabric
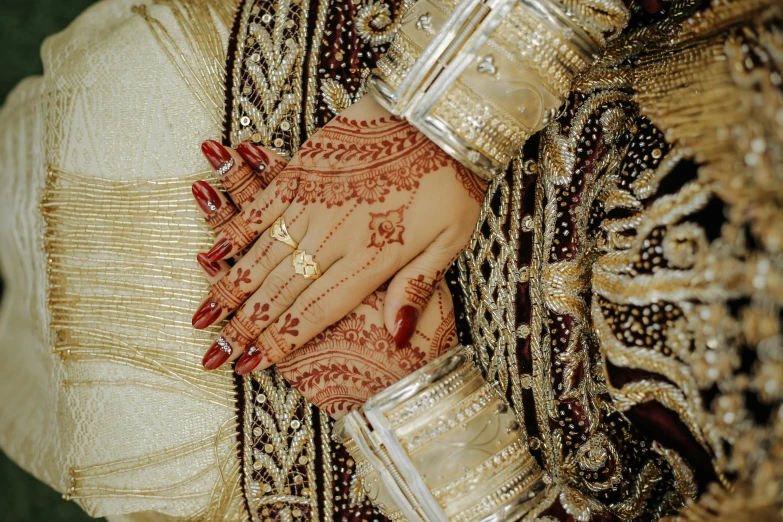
x=104, y=143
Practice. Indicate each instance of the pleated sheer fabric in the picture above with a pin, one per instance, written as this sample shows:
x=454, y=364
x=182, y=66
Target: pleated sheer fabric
x=103, y=396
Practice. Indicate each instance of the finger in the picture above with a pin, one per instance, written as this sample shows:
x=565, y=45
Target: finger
x=266, y=164
x=214, y=270
x=276, y=295
x=235, y=175
x=244, y=278
x=412, y=288
x=213, y=204
x=257, y=217
x=344, y=283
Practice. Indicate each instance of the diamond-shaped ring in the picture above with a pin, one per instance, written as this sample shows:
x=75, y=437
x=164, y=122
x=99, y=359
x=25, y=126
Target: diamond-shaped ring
x=304, y=265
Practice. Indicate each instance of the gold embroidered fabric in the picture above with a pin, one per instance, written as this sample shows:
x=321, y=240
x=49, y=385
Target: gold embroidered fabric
x=103, y=396
x=628, y=266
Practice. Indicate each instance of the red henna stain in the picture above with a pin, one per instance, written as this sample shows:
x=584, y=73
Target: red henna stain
x=418, y=291
x=475, y=186
x=242, y=276
x=289, y=325
x=242, y=184
x=235, y=331
x=387, y=228
x=260, y=313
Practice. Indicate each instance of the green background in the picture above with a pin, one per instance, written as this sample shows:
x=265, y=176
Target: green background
x=23, y=26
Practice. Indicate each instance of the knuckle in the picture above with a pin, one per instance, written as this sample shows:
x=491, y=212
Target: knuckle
x=262, y=258
x=314, y=313
x=278, y=287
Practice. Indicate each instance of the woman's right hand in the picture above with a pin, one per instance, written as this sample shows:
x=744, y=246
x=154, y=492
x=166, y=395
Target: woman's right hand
x=354, y=358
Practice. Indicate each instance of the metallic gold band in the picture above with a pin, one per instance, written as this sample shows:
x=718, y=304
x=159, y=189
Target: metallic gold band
x=304, y=265
x=279, y=232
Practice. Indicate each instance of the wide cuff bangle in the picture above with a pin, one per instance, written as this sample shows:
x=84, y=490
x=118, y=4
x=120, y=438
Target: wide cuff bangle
x=479, y=77
x=442, y=445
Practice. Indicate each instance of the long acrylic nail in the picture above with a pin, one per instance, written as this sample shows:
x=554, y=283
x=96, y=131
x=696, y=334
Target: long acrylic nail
x=253, y=155
x=218, y=156
x=210, y=267
x=207, y=313
x=220, y=250
x=249, y=360
x=405, y=325
x=217, y=354
x=207, y=198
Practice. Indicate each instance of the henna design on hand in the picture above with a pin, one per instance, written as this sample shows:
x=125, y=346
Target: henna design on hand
x=222, y=216
x=289, y=325
x=475, y=186
x=355, y=358
x=418, y=291
x=247, y=325
x=242, y=184
x=387, y=228
x=363, y=161
x=227, y=294
x=243, y=276
x=260, y=312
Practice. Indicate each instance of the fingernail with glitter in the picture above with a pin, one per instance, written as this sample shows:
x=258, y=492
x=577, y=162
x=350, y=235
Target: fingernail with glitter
x=210, y=267
x=249, y=360
x=207, y=198
x=405, y=325
x=217, y=354
x=218, y=156
x=207, y=313
x=253, y=155
x=220, y=250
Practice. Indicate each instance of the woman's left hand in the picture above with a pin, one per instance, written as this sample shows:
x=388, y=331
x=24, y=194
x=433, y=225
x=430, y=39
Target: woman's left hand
x=367, y=197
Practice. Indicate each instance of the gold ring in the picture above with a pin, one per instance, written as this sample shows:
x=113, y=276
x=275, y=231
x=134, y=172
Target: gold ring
x=280, y=233
x=304, y=265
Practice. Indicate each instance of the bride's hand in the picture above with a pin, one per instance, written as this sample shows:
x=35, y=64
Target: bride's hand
x=367, y=197
x=353, y=359
x=243, y=173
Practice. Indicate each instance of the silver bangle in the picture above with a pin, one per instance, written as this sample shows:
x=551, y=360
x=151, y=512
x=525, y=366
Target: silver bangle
x=443, y=445
x=479, y=78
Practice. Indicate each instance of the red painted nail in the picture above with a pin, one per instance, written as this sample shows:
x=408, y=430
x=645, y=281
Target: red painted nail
x=249, y=360
x=217, y=354
x=207, y=313
x=405, y=325
x=216, y=154
x=219, y=251
x=207, y=198
x=210, y=267
x=253, y=155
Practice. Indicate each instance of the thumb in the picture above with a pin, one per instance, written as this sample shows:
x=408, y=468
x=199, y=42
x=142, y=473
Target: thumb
x=412, y=287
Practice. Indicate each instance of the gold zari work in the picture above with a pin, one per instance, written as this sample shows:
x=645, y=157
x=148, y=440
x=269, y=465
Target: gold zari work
x=654, y=252
x=97, y=237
